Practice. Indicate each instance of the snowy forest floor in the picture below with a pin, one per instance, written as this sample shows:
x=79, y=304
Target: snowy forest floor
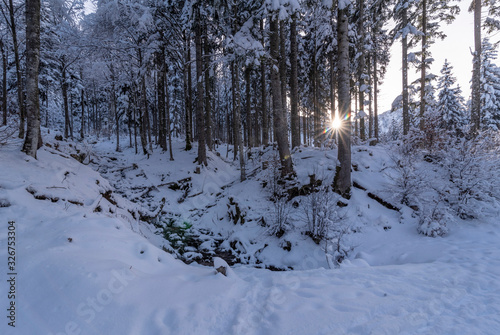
x=87, y=264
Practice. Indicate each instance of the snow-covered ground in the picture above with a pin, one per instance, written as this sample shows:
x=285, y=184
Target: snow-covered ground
x=85, y=264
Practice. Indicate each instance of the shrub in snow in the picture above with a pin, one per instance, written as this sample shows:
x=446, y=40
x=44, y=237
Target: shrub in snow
x=320, y=212
x=177, y=233
x=472, y=167
x=433, y=221
x=281, y=211
x=336, y=246
x=407, y=180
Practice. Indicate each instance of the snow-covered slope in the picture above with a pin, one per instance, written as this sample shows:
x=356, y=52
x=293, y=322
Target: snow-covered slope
x=85, y=265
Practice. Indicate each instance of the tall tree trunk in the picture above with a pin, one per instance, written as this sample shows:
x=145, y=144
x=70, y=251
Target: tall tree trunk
x=314, y=83
x=294, y=85
x=476, y=71
x=71, y=118
x=148, y=121
x=82, y=101
x=135, y=126
x=238, y=143
x=117, y=125
x=64, y=88
x=208, y=89
x=263, y=87
x=342, y=182
x=187, y=91
x=333, y=82
x=161, y=98
x=283, y=65
x=422, y=70
x=4, y=82
x=167, y=112
x=280, y=124
x=370, y=97
x=248, y=107
x=129, y=125
x=404, y=54
x=143, y=119
x=33, y=136
x=361, y=69
x=200, y=95
x=20, y=99
x=375, y=91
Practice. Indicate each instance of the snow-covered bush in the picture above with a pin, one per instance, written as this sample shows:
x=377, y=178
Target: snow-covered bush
x=337, y=248
x=281, y=212
x=320, y=212
x=407, y=180
x=433, y=220
x=473, y=169
x=281, y=206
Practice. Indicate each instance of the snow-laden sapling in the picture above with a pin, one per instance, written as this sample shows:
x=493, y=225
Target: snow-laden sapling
x=472, y=167
x=177, y=233
x=320, y=212
x=407, y=180
x=433, y=220
x=281, y=211
x=336, y=246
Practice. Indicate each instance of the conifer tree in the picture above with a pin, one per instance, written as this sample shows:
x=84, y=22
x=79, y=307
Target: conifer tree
x=450, y=108
x=490, y=87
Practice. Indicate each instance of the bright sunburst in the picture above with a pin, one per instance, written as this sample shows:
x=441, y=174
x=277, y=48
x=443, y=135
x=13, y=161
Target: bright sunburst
x=336, y=123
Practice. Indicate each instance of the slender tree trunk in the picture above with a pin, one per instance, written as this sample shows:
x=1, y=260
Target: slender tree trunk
x=208, y=89
x=64, y=88
x=248, y=107
x=356, y=114
x=114, y=108
x=4, y=82
x=404, y=53
x=370, y=98
x=129, y=124
x=255, y=117
x=476, y=71
x=20, y=99
x=161, y=98
x=71, y=123
x=135, y=126
x=342, y=182
x=187, y=92
x=238, y=143
x=82, y=101
x=280, y=124
x=167, y=112
x=333, y=82
x=423, y=69
x=375, y=91
x=361, y=69
x=314, y=83
x=200, y=93
x=33, y=135
x=283, y=66
x=148, y=121
x=143, y=119
x=263, y=87
x=294, y=84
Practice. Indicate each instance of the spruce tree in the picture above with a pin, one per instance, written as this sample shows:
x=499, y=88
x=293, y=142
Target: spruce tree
x=490, y=87
x=450, y=107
